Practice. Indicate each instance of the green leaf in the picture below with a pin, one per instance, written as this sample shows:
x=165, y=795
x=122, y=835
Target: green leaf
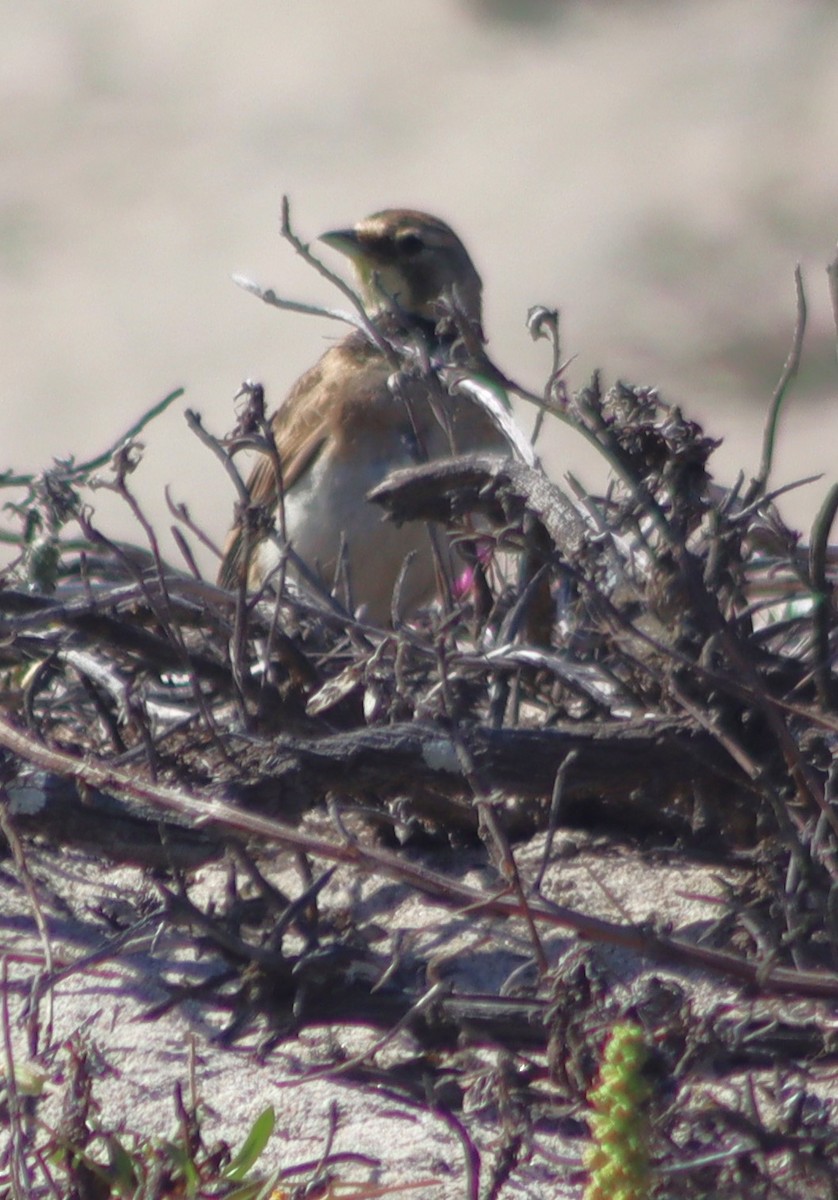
x=253, y=1145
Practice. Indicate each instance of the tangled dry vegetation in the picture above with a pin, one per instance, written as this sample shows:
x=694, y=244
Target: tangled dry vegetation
x=651, y=669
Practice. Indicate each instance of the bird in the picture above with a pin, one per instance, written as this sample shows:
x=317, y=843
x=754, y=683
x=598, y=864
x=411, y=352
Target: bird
x=342, y=428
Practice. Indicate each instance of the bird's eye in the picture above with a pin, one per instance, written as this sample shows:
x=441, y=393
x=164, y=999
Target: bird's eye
x=410, y=244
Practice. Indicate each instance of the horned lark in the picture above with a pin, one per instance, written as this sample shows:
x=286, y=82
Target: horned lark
x=343, y=428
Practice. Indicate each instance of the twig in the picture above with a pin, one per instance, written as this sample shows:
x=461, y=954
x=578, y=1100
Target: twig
x=543, y=322
x=832, y=276
x=269, y=296
x=181, y=513
x=790, y=369
x=822, y=612
x=553, y=819
x=364, y=321
x=79, y=471
x=193, y=420
x=427, y=1000
x=21, y=1180
x=208, y=810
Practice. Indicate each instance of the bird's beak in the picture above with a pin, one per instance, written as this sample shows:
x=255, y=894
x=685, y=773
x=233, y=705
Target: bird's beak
x=344, y=240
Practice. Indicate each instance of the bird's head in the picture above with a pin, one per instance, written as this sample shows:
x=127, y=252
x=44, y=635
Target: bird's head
x=412, y=263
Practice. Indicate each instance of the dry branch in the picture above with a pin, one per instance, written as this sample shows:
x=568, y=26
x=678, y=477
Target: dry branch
x=656, y=664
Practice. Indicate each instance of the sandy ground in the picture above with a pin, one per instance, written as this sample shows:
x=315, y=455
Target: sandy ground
x=655, y=170
x=100, y=1005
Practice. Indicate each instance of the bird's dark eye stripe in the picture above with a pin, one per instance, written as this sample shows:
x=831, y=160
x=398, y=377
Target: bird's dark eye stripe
x=378, y=247
x=409, y=243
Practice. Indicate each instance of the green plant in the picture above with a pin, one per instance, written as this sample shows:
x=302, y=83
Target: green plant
x=618, y=1159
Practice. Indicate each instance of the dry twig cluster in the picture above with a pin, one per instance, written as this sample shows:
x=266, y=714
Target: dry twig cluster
x=655, y=665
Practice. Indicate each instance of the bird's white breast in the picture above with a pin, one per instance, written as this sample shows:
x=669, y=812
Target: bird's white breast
x=327, y=504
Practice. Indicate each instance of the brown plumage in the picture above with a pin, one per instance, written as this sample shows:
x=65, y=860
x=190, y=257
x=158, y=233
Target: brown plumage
x=341, y=429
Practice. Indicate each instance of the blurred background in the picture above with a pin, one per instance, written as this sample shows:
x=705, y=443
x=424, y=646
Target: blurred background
x=655, y=170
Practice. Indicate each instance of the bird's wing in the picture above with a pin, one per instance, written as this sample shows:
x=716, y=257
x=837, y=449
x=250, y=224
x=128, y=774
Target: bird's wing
x=317, y=410
x=300, y=428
